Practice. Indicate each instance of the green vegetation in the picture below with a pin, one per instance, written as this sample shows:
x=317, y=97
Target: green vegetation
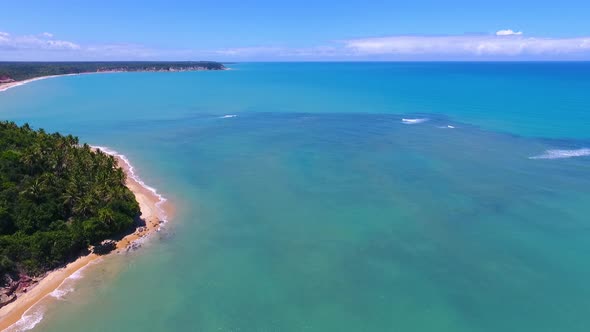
x=56, y=198
x=19, y=71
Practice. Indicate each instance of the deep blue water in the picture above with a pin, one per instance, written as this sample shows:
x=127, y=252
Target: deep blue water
x=317, y=207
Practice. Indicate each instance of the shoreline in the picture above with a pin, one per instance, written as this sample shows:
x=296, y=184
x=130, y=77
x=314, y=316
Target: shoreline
x=154, y=211
x=6, y=86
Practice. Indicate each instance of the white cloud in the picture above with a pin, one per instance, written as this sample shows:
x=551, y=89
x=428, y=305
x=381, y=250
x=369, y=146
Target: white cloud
x=122, y=51
x=508, y=32
x=504, y=44
x=44, y=47
x=30, y=42
x=482, y=45
x=250, y=51
x=60, y=45
x=278, y=52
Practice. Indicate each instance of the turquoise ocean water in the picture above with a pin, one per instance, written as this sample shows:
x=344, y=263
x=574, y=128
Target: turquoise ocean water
x=338, y=197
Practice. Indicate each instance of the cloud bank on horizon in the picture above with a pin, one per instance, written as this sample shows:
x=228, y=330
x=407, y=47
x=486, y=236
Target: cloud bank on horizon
x=508, y=32
x=504, y=44
x=42, y=41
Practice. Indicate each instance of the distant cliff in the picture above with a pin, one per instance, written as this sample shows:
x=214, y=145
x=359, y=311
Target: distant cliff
x=19, y=71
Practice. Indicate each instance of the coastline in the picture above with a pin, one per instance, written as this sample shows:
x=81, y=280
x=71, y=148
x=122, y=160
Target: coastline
x=154, y=211
x=6, y=86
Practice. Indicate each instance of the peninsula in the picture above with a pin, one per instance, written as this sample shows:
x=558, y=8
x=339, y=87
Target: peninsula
x=15, y=73
x=62, y=204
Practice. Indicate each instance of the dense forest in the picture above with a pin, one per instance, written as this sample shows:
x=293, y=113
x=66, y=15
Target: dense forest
x=57, y=198
x=19, y=71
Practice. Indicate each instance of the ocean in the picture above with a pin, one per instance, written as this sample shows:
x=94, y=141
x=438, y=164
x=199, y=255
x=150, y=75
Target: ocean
x=337, y=197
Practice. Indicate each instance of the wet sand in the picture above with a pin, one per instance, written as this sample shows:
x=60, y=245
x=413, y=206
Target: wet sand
x=154, y=210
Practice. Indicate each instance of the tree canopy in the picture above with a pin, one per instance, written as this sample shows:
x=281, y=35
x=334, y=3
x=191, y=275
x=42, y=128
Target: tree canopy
x=57, y=197
x=19, y=71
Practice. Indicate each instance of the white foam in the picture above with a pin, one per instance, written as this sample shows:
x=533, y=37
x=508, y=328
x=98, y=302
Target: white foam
x=67, y=286
x=414, y=121
x=139, y=241
x=561, y=154
x=60, y=292
x=21, y=83
x=28, y=321
x=228, y=116
x=161, y=199
x=35, y=313
x=76, y=275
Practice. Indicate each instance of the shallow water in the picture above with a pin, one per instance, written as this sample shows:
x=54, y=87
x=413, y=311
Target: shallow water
x=340, y=197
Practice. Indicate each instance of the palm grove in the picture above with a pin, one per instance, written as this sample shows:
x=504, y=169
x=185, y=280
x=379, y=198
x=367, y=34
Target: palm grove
x=56, y=199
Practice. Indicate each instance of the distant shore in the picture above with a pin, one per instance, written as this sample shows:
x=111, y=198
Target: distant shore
x=154, y=211
x=14, y=74
x=6, y=86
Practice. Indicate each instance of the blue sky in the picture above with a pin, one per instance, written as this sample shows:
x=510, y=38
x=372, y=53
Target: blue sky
x=232, y=30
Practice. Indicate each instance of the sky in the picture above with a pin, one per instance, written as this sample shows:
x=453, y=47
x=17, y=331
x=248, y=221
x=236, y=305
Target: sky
x=262, y=30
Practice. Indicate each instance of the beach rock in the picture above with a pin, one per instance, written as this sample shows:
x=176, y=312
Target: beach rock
x=104, y=247
x=5, y=300
x=133, y=246
x=11, y=288
x=5, y=79
x=24, y=283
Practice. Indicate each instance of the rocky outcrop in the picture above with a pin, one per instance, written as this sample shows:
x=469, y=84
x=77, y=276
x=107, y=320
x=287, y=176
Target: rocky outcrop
x=5, y=79
x=10, y=293
x=6, y=299
x=104, y=247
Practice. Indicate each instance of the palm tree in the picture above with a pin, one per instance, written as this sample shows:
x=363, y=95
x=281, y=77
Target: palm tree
x=34, y=190
x=106, y=216
x=85, y=207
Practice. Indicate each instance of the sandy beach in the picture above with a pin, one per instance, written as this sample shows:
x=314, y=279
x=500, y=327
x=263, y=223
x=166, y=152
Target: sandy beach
x=154, y=211
x=6, y=86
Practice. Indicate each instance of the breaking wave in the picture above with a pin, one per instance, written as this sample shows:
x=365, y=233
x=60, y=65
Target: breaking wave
x=561, y=154
x=414, y=121
x=161, y=199
x=34, y=315
x=28, y=321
